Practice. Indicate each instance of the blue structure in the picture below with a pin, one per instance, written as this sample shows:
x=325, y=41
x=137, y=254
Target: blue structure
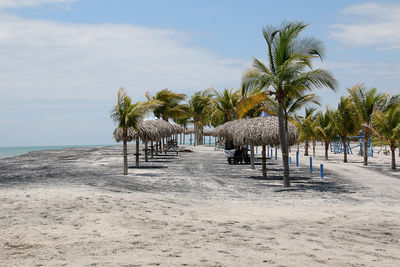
x=264, y=114
x=336, y=146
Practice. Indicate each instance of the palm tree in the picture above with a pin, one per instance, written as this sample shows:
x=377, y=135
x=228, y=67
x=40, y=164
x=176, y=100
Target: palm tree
x=366, y=102
x=346, y=121
x=126, y=115
x=223, y=106
x=387, y=125
x=288, y=74
x=325, y=128
x=169, y=107
x=200, y=105
x=306, y=129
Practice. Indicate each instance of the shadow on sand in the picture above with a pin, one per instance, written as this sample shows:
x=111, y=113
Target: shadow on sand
x=148, y=167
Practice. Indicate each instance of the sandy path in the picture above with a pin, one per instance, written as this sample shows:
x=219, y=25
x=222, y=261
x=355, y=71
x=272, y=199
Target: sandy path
x=73, y=208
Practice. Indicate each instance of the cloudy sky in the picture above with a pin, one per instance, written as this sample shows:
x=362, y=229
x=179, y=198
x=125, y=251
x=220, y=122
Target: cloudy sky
x=62, y=61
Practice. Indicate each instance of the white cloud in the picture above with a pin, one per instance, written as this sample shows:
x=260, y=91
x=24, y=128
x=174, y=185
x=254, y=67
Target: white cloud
x=375, y=24
x=46, y=60
x=22, y=3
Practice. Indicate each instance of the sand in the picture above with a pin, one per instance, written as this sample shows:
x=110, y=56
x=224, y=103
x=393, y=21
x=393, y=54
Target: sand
x=73, y=207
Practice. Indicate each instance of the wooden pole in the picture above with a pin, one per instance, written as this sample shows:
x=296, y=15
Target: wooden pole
x=152, y=149
x=264, y=161
x=252, y=157
x=146, y=158
x=137, y=151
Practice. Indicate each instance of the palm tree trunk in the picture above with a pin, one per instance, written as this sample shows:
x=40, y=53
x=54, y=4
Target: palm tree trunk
x=252, y=157
x=306, y=145
x=195, y=133
x=284, y=145
x=264, y=161
x=326, y=149
x=137, y=151
x=146, y=158
x=344, y=141
x=366, y=138
x=125, y=152
x=393, y=148
x=313, y=148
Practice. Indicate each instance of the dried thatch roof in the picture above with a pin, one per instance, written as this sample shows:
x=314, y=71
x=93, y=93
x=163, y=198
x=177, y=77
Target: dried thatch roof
x=118, y=134
x=207, y=132
x=150, y=129
x=257, y=131
x=189, y=130
x=225, y=130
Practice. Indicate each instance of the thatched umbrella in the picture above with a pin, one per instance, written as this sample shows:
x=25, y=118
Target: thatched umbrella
x=262, y=131
x=255, y=132
x=119, y=131
x=148, y=131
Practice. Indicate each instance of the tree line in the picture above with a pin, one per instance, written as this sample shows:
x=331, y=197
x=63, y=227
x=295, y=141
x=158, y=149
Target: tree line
x=281, y=86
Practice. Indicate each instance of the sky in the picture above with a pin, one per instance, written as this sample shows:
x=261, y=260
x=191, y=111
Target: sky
x=62, y=61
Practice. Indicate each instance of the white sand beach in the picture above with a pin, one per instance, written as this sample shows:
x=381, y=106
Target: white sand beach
x=74, y=207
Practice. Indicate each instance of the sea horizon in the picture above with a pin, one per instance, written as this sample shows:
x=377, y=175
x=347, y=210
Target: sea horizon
x=13, y=151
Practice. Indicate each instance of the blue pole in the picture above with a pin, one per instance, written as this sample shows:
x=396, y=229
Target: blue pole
x=256, y=150
x=297, y=158
x=321, y=166
x=271, y=152
x=310, y=164
x=268, y=151
x=276, y=153
x=290, y=160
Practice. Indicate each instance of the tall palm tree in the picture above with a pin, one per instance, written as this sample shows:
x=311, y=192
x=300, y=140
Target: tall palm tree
x=223, y=106
x=387, y=125
x=169, y=105
x=126, y=115
x=288, y=73
x=366, y=102
x=200, y=105
x=325, y=128
x=346, y=121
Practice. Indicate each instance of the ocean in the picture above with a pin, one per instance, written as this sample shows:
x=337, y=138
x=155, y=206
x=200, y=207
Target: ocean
x=12, y=151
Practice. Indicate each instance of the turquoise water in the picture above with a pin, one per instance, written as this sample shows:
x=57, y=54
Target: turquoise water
x=12, y=151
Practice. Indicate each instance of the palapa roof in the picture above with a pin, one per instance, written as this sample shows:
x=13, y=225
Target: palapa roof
x=189, y=130
x=150, y=129
x=118, y=134
x=257, y=131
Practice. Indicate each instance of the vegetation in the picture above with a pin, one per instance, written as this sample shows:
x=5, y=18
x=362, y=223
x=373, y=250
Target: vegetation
x=287, y=74
x=200, y=106
x=127, y=114
x=281, y=87
x=345, y=121
x=387, y=126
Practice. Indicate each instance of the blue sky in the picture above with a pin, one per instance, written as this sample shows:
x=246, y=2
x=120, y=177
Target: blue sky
x=62, y=61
